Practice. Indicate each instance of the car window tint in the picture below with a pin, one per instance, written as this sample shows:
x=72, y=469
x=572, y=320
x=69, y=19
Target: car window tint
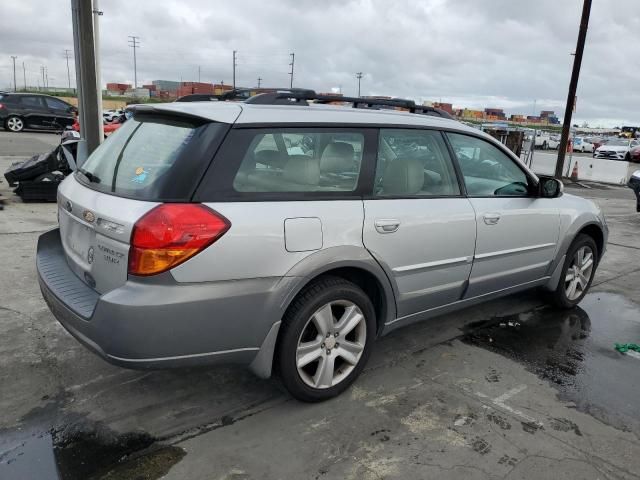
x=56, y=104
x=486, y=169
x=414, y=162
x=31, y=102
x=301, y=161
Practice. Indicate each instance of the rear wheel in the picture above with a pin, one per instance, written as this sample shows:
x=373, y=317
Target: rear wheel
x=577, y=273
x=326, y=339
x=14, y=124
x=545, y=146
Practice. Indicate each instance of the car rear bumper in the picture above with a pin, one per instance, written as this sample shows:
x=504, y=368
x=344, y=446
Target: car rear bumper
x=159, y=323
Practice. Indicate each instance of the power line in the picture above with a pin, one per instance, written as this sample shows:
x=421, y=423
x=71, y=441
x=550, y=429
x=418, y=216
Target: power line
x=293, y=59
x=134, y=42
x=15, y=85
x=67, y=56
x=359, y=77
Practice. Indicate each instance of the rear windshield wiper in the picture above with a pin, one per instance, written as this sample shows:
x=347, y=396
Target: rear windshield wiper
x=89, y=176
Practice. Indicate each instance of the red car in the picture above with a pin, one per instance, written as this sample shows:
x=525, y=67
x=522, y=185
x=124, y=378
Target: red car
x=108, y=128
x=634, y=154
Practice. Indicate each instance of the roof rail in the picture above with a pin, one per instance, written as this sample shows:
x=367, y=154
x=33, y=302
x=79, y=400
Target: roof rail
x=303, y=97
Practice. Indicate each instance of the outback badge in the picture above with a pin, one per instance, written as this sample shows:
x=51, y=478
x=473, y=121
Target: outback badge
x=89, y=216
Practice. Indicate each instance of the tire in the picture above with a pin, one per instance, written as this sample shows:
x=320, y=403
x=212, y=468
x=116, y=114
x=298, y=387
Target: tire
x=301, y=334
x=627, y=157
x=13, y=123
x=561, y=297
x=545, y=146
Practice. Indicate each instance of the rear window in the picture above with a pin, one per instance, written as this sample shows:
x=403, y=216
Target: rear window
x=153, y=157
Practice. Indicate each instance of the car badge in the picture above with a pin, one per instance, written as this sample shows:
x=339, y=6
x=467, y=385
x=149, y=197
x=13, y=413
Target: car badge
x=68, y=206
x=88, y=216
x=90, y=255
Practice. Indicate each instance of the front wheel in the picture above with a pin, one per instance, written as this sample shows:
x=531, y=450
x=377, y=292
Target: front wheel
x=14, y=124
x=326, y=339
x=577, y=273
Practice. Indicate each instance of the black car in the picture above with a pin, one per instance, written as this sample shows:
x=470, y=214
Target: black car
x=31, y=110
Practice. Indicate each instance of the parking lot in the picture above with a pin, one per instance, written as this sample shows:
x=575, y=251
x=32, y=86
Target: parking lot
x=509, y=389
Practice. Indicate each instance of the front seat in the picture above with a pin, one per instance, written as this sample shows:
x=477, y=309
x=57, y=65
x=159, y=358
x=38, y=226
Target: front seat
x=403, y=176
x=337, y=157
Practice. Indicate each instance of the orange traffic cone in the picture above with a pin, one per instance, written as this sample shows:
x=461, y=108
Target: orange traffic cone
x=574, y=173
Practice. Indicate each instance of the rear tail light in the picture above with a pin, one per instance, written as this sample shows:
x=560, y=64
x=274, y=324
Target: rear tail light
x=171, y=234
x=1, y=106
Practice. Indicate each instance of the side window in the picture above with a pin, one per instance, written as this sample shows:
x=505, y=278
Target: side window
x=31, y=102
x=55, y=104
x=414, y=162
x=301, y=161
x=488, y=171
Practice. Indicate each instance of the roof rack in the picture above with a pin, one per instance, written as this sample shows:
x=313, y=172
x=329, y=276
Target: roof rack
x=303, y=97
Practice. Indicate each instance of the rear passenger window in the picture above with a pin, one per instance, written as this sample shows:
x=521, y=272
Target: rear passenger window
x=414, y=163
x=31, y=102
x=297, y=161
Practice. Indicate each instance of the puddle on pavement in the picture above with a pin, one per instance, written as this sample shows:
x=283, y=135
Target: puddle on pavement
x=574, y=351
x=95, y=455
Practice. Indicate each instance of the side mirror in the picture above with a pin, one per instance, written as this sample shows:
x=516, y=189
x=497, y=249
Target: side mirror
x=551, y=187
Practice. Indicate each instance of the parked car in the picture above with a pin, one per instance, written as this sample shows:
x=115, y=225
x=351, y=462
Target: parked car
x=31, y=110
x=634, y=154
x=289, y=238
x=597, y=142
x=554, y=142
x=616, y=149
x=543, y=140
x=634, y=184
x=581, y=144
x=112, y=115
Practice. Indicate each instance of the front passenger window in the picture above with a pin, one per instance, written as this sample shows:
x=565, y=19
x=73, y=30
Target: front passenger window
x=487, y=170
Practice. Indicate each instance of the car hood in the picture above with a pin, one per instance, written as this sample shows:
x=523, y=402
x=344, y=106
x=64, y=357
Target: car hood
x=614, y=148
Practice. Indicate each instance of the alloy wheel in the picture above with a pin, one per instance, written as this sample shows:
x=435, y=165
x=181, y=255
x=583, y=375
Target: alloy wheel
x=579, y=273
x=331, y=344
x=15, y=124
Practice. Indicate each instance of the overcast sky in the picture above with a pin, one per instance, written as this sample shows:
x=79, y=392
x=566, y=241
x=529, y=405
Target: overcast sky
x=474, y=53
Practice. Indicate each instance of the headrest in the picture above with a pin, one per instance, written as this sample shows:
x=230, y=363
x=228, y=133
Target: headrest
x=273, y=158
x=337, y=157
x=302, y=169
x=403, y=176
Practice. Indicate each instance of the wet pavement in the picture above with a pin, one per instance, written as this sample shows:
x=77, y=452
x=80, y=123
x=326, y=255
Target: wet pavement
x=574, y=351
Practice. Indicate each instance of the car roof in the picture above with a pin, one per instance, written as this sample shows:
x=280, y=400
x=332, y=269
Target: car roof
x=243, y=113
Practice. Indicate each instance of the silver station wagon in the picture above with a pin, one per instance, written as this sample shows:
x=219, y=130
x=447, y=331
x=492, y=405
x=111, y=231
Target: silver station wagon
x=288, y=235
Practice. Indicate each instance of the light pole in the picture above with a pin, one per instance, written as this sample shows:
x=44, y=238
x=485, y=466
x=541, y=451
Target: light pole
x=67, y=55
x=293, y=61
x=15, y=85
x=235, y=64
x=359, y=77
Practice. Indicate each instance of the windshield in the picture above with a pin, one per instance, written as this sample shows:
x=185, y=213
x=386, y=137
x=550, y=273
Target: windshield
x=618, y=142
x=150, y=158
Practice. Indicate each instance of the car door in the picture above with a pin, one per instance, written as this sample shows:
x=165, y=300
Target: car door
x=517, y=232
x=418, y=225
x=34, y=111
x=62, y=113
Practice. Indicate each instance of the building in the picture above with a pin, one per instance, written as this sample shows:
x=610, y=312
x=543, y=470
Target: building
x=550, y=117
x=447, y=107
x=472, y=114
x=494, y=114
x=518, y=118
x=189, y=88
x=116, y=89
x=166, y=85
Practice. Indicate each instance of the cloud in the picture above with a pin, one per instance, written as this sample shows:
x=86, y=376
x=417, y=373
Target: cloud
x=475, y=53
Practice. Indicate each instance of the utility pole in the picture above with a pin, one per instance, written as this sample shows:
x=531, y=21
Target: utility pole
x=359, y=77
x=15, y=85
x=67, y=56
x=235, y=64
x=259, y=81
x=293, y=61
x=86, y=78
x=573, y=86
x=24, y=76
x=198, y=73
x=46, y=74
x=134, y=42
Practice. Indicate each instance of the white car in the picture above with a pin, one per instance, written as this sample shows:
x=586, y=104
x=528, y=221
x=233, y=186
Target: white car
x=111, y=115
x=616, y=149
x=581, y=144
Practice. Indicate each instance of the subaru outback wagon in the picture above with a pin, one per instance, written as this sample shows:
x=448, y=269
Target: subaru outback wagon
x=290, y=237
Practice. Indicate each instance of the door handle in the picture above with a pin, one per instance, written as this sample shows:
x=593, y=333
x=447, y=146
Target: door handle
x=387, y=226
x=491, y=218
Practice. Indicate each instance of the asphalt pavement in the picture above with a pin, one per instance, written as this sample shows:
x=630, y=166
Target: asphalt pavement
x=508, y=389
